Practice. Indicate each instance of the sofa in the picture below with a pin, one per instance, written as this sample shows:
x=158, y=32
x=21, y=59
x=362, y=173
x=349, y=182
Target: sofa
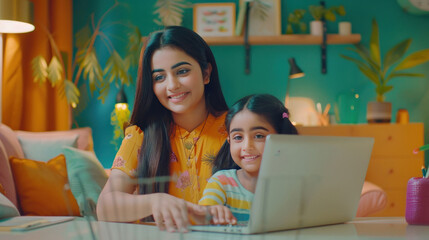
x=14, y=144
x=50, y=173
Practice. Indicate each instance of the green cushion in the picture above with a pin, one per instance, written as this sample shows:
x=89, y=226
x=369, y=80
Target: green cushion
x=45, y=148
x=7, y=209
x=86, y=177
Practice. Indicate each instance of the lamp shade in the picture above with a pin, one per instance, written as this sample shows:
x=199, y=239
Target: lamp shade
x=295, y=71
x=16, y=16
x=121, y=97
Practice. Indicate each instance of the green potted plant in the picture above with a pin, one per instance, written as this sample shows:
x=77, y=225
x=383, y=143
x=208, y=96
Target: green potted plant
x=319, y=11
x=86, y=64
x=295, y=19
x=381, y=69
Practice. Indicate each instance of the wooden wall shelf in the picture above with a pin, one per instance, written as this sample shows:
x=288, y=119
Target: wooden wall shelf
x=292, y=39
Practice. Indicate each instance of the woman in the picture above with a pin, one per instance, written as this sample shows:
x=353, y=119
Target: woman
x=180, y=109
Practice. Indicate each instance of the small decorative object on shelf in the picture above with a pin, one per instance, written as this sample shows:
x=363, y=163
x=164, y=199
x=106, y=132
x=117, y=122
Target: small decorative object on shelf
x=214, y=19
x=402, y=116
x=346, y=108
x=318, y=12
x=344, y=28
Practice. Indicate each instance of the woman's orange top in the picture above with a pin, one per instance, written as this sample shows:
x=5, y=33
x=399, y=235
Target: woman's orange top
x=191, y=159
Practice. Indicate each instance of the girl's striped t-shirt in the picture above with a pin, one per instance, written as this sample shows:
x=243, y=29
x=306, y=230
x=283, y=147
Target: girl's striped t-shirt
x=224, y=188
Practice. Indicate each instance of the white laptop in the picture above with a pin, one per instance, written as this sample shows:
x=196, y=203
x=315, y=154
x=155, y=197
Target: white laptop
x=305, y=181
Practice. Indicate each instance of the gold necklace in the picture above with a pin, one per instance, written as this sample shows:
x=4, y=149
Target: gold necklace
x=186, y=145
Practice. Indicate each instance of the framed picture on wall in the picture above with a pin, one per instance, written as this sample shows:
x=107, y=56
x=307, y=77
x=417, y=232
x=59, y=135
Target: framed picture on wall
x=214, y=19
x=264, y=17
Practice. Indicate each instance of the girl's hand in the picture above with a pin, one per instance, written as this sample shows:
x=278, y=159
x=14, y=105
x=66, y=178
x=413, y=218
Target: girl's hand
x=170, y=212
x=222, y=215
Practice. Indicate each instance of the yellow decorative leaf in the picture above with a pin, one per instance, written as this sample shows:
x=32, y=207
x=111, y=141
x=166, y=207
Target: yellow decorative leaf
x=72, y=93
x=40, y=69
x=92, y=71
x=170, y=12
x=82, y=37
x=117, y=69
x=55, y=71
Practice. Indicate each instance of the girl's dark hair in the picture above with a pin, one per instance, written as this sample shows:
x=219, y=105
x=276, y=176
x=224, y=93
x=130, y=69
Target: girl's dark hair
x=264, y=105
x=154, y=119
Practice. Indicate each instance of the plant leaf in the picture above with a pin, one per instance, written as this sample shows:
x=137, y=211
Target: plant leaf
x=395, y=53
x=365, y=69
x=55, y=71
x=374, y=44
x=303, y=27
x=40, y=69
x=413, y=60
x=316, y=11
x=393, y=75
x=84, y=99
x=72, y=93
x=92, y=70
x=80, y=55
x=289, y=29
x=364, y=54
x=134, y=46
x=170, y=12
x=340, y=10
x=82, y=37
x=330, y=16
x=116, y=68
x=382, y=89
x=299, y=13
x=293, y=18
x=103, y=91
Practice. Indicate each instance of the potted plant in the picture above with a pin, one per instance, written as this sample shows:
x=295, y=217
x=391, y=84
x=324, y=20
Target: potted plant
x=319, y=11
x=86, y=64
x=381, y=69
x=294, y=19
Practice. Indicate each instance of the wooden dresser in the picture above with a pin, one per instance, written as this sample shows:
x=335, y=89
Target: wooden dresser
x=392, y=162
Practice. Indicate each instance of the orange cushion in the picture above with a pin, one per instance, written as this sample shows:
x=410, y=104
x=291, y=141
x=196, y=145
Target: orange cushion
x=40, y=187
x=2, y=191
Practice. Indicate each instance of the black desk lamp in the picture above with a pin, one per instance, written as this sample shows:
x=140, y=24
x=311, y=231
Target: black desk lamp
x=295, y=72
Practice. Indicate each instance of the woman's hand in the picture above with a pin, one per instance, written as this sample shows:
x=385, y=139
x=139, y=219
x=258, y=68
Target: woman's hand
x=221, y=215
x=171, y=213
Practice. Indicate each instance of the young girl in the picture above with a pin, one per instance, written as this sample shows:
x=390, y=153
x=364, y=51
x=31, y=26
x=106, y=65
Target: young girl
x=180, y=110
x=248, y=122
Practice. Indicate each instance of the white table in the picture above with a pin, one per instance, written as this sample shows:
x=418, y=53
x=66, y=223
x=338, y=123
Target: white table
x=361, y=228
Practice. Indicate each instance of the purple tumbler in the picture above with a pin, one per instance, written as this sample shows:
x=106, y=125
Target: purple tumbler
x=417, y=207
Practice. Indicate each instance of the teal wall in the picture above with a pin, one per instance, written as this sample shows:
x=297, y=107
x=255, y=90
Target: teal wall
x=269, y=66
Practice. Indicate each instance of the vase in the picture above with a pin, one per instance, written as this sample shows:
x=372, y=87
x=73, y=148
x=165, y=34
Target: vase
x=417, y=204
x=379, y=112
x=316, y=28
x=344, y=28
x=347, y=107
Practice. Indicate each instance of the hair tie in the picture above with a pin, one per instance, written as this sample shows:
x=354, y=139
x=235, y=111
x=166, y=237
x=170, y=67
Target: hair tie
x=285, y=115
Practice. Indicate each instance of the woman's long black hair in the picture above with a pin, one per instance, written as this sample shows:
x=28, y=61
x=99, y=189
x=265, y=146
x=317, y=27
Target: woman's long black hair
x=264, y=105
x=154, y=119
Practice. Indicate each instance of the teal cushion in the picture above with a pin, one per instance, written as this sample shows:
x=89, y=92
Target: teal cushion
x=86, y=178
x=7, y=209
x=45, y=148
